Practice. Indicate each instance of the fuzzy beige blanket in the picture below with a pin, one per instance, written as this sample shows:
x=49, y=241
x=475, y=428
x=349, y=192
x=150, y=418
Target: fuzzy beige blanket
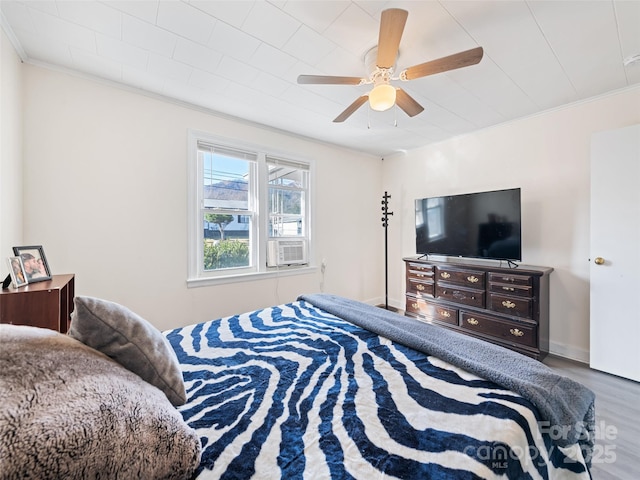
x=68, y=411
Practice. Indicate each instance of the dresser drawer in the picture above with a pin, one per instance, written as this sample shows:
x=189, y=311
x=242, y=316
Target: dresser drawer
x=517, y=290
x=413, y=267
x=465, y=278
x=420, y=275
x=512, y=332
x=466, y=296
x=420, y=286
x=511, y=279
x=518, y=307
x=432, y=311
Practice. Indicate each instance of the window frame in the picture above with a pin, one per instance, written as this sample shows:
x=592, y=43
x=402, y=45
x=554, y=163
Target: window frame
x=196, y=275
x=304, y=190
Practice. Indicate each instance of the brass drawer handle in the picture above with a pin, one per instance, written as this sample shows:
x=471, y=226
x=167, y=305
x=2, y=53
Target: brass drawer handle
x=444, y=313
x=516, y=332
x=472, y=321
x=509, y=289
x=473, y=279
x=420, y=287
x=414, y=306
x=508, y=304
x=508, y=279
x=445, y=275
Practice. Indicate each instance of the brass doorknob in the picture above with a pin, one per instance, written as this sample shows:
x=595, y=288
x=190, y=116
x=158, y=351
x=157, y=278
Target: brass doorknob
x=599, y=261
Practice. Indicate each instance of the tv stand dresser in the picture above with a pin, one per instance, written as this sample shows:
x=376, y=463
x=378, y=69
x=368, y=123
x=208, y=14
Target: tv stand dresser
x=506, y=306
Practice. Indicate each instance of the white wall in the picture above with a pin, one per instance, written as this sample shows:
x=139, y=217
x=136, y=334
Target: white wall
x=105, y=178
x=548, y=156
x=104, y=166
x=10, y=151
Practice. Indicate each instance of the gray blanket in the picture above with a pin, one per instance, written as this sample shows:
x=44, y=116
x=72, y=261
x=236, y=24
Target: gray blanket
x=69, y=412
x=566, y=405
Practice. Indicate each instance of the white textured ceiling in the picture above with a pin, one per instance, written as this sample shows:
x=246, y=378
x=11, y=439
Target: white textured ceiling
x=242, y=58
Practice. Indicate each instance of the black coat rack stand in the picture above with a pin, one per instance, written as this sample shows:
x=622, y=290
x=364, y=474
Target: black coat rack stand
x=385, y=223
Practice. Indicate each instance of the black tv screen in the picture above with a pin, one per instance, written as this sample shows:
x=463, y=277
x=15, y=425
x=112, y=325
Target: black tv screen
x=479, y=225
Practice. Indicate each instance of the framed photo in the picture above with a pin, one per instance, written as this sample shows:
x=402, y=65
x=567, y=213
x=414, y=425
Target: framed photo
x=34, y=262
x=16, y=270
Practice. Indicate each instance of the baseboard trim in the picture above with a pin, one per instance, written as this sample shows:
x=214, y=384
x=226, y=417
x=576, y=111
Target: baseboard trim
x=567, y=351
x=373, y=301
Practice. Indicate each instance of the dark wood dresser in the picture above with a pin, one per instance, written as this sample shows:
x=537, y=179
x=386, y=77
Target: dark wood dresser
x=46, y=304
x=506, y=306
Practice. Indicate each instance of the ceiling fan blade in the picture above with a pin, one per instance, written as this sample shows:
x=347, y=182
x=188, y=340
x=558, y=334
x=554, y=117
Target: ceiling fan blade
x=392, y=24
x=457, y=60
x=328, y=80
x=351, y=108
x=407, y=103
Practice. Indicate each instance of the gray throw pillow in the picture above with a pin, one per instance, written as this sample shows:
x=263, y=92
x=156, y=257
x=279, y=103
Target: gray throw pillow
x=131, y=341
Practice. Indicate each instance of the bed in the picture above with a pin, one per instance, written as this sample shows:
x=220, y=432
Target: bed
x=326, y=387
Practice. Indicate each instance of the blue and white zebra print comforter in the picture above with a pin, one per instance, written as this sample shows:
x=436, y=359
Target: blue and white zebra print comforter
x=294, y=392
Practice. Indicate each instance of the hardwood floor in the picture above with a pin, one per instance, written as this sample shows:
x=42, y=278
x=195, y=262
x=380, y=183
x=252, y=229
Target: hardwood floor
x=617, y=452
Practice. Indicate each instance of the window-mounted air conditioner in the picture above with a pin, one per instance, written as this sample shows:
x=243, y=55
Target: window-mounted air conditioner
x=286, y=252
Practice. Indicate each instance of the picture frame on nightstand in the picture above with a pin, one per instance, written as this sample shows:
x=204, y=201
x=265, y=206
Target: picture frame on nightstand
x=17, y=272
x=34, y=262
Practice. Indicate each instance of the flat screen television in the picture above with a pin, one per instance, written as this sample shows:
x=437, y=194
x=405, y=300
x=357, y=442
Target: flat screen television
x=477, y=225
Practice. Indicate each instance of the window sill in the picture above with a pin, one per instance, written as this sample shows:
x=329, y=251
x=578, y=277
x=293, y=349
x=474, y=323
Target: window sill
x=249, y=277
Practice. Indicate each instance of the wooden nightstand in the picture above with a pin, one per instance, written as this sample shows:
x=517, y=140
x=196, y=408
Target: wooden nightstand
x=45, y=304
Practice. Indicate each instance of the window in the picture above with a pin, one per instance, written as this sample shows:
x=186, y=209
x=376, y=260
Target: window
x=243, y=201
x=228, y=194
x=288, y=187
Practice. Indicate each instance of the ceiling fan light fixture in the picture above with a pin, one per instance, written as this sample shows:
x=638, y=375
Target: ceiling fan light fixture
x=382, y=97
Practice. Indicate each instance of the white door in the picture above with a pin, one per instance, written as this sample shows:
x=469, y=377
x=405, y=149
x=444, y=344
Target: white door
x=615, y=252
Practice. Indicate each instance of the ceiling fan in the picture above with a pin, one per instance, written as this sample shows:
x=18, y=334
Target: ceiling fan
x=384, y=95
